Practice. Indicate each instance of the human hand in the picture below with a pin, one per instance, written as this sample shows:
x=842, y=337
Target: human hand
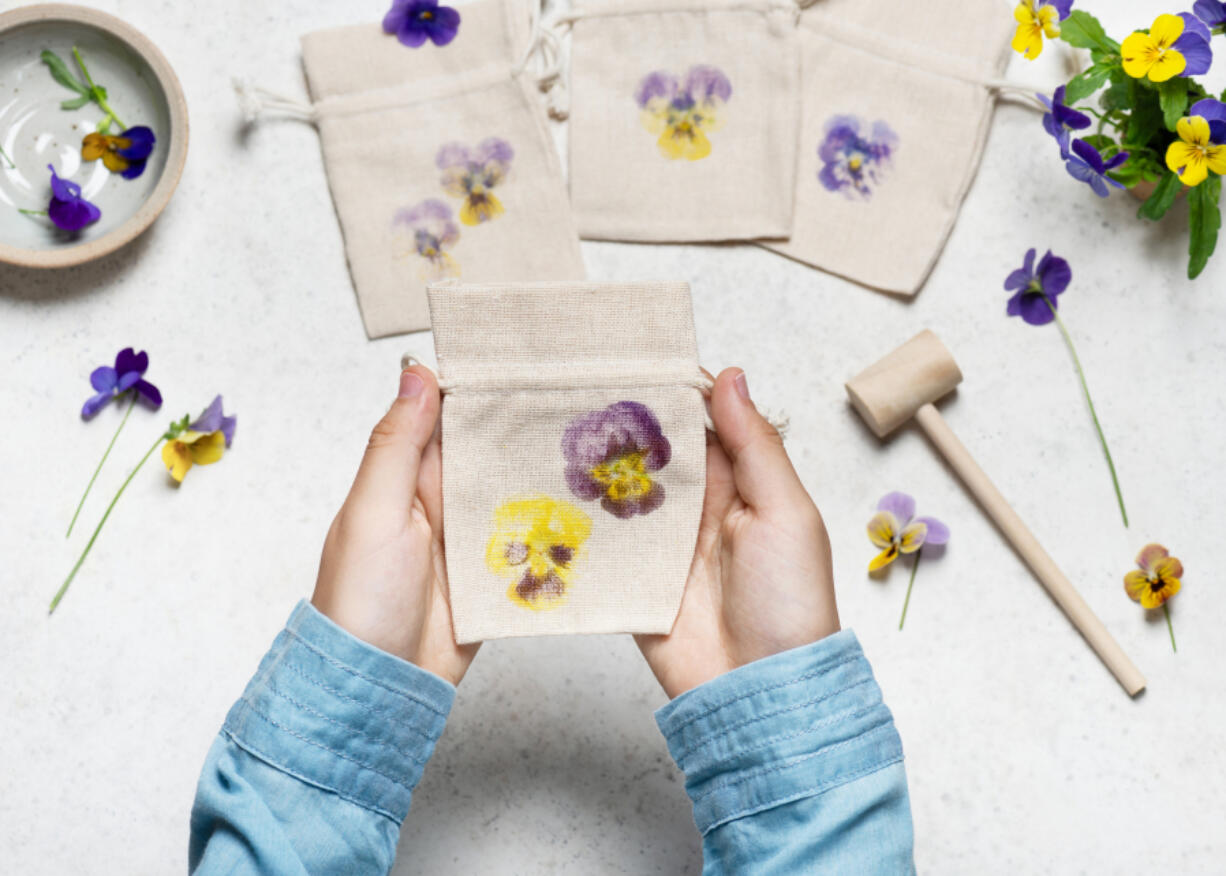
x=382, y=576
x=761, y=581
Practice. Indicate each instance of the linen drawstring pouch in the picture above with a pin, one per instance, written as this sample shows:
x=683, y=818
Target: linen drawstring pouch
x=897, y=104
x=439, y=162
x=683, y=119
x=574, y=458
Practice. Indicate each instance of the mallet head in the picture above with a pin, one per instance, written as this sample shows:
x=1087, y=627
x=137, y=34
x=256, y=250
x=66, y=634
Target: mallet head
x=890, y=391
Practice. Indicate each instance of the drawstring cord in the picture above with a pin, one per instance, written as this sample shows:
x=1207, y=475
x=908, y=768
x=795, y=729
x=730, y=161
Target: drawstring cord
x=254, y=101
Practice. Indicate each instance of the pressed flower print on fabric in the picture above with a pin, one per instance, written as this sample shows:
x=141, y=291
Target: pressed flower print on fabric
x=472, y=174
x=537, y=542
x=612, y=454
x=853, y=162
x=683, y=111
x=431, y=231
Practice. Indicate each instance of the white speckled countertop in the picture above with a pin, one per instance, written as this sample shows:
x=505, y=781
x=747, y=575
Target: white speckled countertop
x=1023, y=754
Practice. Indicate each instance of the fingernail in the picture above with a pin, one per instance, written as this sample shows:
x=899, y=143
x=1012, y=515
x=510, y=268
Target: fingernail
x=742, y=386
x=411, y=384
x=407, y=361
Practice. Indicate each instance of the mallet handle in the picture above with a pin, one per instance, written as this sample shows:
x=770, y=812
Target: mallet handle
x=1024, y=542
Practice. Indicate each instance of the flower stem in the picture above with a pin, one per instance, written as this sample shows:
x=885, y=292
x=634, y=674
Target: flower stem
x=5, y=156
x=910, y=584
x=32, y=212
x=95, y=94
x=64, y=587
x=1166, y=609
x=1068, y=340
x=107, y=453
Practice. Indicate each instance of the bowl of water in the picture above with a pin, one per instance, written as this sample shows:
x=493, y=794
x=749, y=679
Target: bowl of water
x=90, y=113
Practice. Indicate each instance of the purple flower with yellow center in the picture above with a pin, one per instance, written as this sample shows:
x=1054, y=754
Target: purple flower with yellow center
x=1212, y=13
x=611, y=455
x=1155, y=580
x=471, y=174
x=1087, y=165
x=896, y=530
x=125, y=154
x=1035, y=20
x=1176, y=45
x=432, y=233
x=68, y=210
x=202, y=443
x=128, y=373
x=683, y=111
x=853, y=162
x=415, y=21
x=1060, y=119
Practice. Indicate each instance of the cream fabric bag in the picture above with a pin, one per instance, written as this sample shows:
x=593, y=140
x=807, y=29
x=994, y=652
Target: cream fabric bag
x=897, y=104
x=574, y=460
x=683, y=119
x=439, y=162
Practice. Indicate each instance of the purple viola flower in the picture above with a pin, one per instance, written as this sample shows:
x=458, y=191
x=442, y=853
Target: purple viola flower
x=1087, y=165
x=1060, y=119
x=1034, y=287
x=854, y=163
x=213, y=420
x=1211, y=12
x=68, y=210
x=1193, y=44
x=433, y=231
x=415, y=21
x=611, y=455
x=896, y=530
x=127, y=374
x=140, y=145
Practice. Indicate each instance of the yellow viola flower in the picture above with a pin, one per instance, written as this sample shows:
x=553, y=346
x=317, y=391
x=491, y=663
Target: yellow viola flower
x=1156, y=579
x=1194, y=154
x=192, y=448
x=1036, y=19
x=1152, y=55
x=536, y=543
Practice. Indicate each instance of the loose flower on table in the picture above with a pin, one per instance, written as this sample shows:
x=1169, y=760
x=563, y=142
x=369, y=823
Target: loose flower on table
x=896, y=530
x=1156, y=579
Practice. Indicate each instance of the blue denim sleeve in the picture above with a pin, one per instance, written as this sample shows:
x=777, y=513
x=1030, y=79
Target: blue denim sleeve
x=794, y=766
x=315, y=765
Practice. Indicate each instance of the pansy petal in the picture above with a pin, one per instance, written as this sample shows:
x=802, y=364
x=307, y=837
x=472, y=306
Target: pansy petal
x=1209, y=109
x=1166, y=29
x=1149, y=555
x=95, y=403
x=882, y=528
x=128, y=359
x=1197, y=55
x=938, y=532
x=1035, y=310
x=208, y=449
x=1054, y=273
x=149, y=393
x=134, y=169
x=1014, y=306
x=1151, y=598
x=127, y=380
x=1168, y=568
x=210, y=419
x=1135, y=583
x=913, y=537
x=900, y=505
x=228, y=425
x=883, y=559
x=103, y=378
x=140, y=143
x=1134, y=52
x=178, y=459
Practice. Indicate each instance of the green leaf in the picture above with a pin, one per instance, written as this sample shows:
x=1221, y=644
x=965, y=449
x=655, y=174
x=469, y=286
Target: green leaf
x=1081, y=29
x=75, y=103
x=1141, y=165
x=1173, y=98
x=1204, y=220
x=1162, y=198
x=1145, y=122
x=1098, y=141
x=60, y=72
x=1086, y=83
x=98, y=93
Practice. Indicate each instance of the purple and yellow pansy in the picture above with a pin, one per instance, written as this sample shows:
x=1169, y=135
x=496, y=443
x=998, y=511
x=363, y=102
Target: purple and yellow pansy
x=896, y=530
x=472, y=174
x=1037, y=19
x=125, y=154
x=536, y=542
x=613, y=455
x=854, y=160
x=683, y=110
x=203, y=442
x=432, y=232
x=1176, y=45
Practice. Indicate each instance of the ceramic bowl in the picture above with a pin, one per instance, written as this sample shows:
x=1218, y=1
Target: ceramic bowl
x=35, y=132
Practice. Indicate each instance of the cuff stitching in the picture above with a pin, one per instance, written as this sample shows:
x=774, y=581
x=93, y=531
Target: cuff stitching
x=374, y=710
x=346, y=727
x=830, y=667
x=703, y=740
x=788, y=764
x=320, y=745
x=346, y=668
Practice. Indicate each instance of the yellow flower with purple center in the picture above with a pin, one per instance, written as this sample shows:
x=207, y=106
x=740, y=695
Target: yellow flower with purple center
x=431, y=234
x=1155, y=580
x=125, y=154
x=1201, y=146
x=683, y=111
x=202, y=442
x=1035, y=20
x=472, y=174
x=536, y=542
x=1176, y=45
x=613, y=455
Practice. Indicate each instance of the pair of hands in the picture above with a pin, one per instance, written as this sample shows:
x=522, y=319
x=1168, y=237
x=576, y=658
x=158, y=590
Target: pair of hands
x=760, y=583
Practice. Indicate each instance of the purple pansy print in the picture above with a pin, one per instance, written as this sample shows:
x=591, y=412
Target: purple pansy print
x=853, y=163
x=610, y=455
x=1059, y=119
x=1030, y=284
x=128, y=373
x=1087, y=165
x=415, y=21
x=433, y=233
x=470, y=174
x=68, y=210
x=683, y=111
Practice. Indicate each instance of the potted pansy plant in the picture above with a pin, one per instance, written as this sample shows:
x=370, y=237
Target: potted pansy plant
x=1136, y=118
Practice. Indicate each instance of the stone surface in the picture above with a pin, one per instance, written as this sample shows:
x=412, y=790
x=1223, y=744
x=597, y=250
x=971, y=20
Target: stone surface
x=1023, y=754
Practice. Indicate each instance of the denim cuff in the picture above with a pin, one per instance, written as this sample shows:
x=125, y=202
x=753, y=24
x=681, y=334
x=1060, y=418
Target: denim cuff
x=340, y=714
x=789, y=726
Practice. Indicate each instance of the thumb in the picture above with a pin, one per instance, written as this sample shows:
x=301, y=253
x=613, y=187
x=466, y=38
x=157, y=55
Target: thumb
x=761, y=469
x=387, y=476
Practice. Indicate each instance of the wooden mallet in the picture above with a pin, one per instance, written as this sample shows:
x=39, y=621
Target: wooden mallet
x=904, y=385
